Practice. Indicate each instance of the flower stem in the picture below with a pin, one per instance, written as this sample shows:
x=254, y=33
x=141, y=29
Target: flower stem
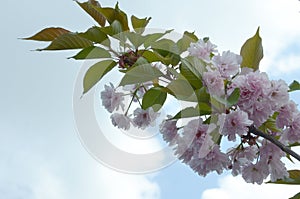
x=284, y=148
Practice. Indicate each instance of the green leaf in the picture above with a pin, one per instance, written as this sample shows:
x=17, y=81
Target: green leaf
x=139, y=24
x=199, y=110
x=92, y=52
x=204, y=108
x=90, y=8
x=202, y=95
x=233, y=98
x=48, y=34
x=68, y=41
x=151, y=38
x=294, y=86
x=150, y=56
x=115, y=30
x=113, y=14
x=95, y=73
x=167, y=49
x=270, y=124
x=293, y=179
x=96, y=35
x=165, y=46
x=190, y=73
x=181, y=89
x=187, y=112
x=135, y=38
x=140, y=72
x=186, y=40
x=297, y=196
x=155, y=98
x=252, y=52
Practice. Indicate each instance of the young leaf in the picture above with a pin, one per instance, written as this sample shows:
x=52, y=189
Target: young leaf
x=181, y=89
x=48, y=34
x=113, y=14
x=294, y=86
x=190, y=73
x=92, y=52
x=68, y=41
x=96, y=35
x=167, y=49
x=155, y=98
x=186, y=40
x=252, y=52
x=202, y=95
x=233, y=98
x=139, y=24
x=90, y=8
x=115, y=30
x=165, y=46
x=187, y=112
x=140, y=72
x=135, y=38
x=199, y=110
x=151, y=38
x=150, y=56
x=95, y=73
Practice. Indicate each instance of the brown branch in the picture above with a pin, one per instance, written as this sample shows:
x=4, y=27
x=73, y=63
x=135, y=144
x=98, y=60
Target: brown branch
x=284, y=148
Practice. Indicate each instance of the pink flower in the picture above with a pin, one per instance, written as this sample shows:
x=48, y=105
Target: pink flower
x=236, y=123
x=255, y=173
x=278, y=95
x=269, y=151
x=254, y=92
x=120, y=120
x=193, y=136
x=228, y=64
x=242, y=157
x=144, y=118
x=292, y=133
x=285, y=114
x=194, y=133
x=202, y=50
x=277, y=170
x=214, y=161
x=112, y=100
x=169, y=130
x=261, y=111
x=214, y=83
x=183, y=150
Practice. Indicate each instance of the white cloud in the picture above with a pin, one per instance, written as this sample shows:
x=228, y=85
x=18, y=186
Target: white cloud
x=62, y=169
x=230, y=187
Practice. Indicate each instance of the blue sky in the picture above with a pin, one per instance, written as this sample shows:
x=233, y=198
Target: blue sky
x=41, y=154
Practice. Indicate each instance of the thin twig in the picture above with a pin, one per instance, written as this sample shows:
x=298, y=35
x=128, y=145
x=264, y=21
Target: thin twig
x=284, y=148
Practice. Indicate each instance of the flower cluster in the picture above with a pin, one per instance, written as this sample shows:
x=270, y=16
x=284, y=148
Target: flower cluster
x=261, y=102
x=112, y=100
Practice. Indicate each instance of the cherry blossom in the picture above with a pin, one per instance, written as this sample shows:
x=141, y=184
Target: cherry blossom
x=112, y=100
x=144, y=118
x=236, y=123
x=228, y=63
x=202, y=50
x=121, y=121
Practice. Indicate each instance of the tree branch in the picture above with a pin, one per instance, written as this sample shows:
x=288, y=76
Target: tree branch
x=284, y=148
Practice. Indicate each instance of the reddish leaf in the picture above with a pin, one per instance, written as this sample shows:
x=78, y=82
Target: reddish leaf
x=68, y=41
x=48, y=34
x=90, y=8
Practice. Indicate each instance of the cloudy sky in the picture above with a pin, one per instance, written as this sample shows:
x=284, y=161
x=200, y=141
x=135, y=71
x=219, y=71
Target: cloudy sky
x=41, y=153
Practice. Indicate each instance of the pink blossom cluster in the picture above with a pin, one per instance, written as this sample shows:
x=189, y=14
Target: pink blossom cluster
x=112, y=100
x=262, y=103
